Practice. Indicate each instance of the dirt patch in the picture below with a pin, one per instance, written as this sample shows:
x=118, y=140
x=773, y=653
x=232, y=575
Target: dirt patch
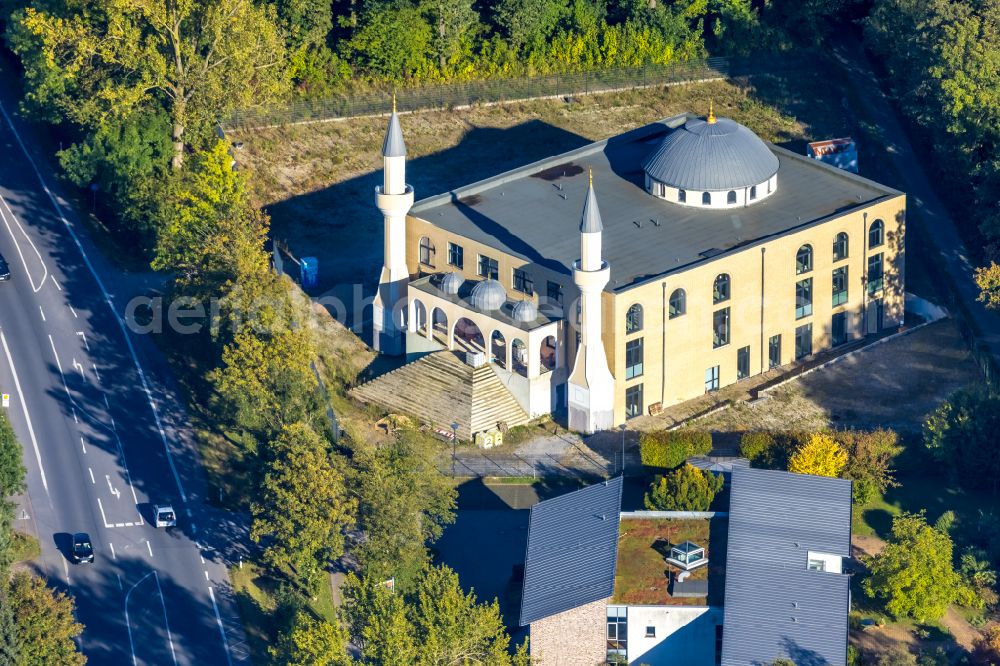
x=963, y=632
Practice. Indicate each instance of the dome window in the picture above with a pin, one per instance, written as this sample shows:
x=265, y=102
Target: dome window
x=753, y=193
x=681, y=196
x=731, y=197
x=706, y=199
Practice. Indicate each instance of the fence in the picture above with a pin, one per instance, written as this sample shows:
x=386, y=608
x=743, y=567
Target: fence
x=496, y=91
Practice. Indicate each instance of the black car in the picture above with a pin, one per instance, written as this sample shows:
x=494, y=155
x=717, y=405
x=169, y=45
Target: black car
x=82, y=550
x=4, y=269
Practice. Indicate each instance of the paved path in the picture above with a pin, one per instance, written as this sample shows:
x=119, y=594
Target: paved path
x=923, y=205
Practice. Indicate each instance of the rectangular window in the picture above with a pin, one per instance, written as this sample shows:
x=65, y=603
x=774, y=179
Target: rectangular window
x=839, y=286
x=875, y=274
x=617, y=640
x=803, y=298
x=803, y=341
x=743, y=363
x=553, y=291
x=633, y=401
x=720, y=328
x=774, y=351
x=488, y=268
x=838, y=328
x=650, y=632
x=816, y=565
x=456, y=256
x=523, y=282
x=633, y=358
x=712, y=379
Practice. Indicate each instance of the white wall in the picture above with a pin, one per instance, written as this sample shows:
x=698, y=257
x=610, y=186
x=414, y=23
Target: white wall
x=833, y=562
x=684, y=635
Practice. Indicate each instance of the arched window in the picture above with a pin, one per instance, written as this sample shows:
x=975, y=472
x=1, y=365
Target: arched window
x=731, y=197
x=678, y=303
x=681, y=196
x=804, y=259
x=840, y=246
x=706, y=199
x=426, y=251
x=720, y=291
x=876, y=233
x=753, y=192
x=633, y=319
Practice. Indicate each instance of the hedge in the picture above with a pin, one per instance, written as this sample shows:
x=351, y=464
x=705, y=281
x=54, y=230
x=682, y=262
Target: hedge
x=668, y=449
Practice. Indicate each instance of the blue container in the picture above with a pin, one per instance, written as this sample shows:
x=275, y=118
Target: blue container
x=310, y=272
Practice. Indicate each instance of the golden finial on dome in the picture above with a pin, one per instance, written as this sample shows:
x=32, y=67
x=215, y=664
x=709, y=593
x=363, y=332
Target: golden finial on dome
x=711, y=113
x=590, y=176
x=394, y=101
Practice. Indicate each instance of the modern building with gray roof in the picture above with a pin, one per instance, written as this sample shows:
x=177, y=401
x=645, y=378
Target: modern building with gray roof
x=786, y=592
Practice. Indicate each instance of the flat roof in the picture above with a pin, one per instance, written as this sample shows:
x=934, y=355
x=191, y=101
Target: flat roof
x=534, y=212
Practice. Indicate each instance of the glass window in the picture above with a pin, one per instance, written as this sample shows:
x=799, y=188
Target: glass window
x=455, y=256
x=774, y=351
x=803, y=341
x=633, y=401
x=488, y=268
x=720, y=328
x=706, y=199
x=712, y=379
x=839, y=286
x=678, y=303
x=523, y=282
x=681, y=196
x=721, y=288
x=743, y=363
x=617, y=640
x=840, y=246
x=876, y=234
x=426, y=251
x=554, y=292
x=875, y=273
x=817, y=565
x=731, y=197
x=753, y=192
x=633, y=319
x=838, y=328
x=650, y=632
x=633, y=358
x=803, y=298
x=804, y=259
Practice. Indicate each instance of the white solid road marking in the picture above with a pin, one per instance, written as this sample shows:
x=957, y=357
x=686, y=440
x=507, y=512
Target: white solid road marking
x=91, y=475
x=149, y=548
x=24, y=408
x=113, y=554
x=103, y=517
x=18, y=246
x=128, y=625
x=166, y=623
x=42, y=312
x=222, y=629
x=107, y=298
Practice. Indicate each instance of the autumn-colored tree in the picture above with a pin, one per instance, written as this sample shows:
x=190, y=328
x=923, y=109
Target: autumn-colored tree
x=302, y=509
x=311, y=642
x=870, y=456
x=821, y=456
x=684, y=489
x=44, y=625
x=988, y=279
x=986, y=648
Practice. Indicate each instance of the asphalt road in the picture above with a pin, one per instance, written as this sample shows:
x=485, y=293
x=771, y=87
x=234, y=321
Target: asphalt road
x=104, y=437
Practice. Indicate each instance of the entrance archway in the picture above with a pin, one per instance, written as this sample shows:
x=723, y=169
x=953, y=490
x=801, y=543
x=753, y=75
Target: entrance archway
x=468, y=336
x=547, y=354
x=498, y=349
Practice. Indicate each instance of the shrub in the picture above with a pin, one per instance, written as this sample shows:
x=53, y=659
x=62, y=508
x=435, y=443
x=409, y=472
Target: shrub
x=961, y=434
x=986, y=649
x=685, y=489
x=757, y=447
x=669, y=449
x=821, y=456
x=870, y=456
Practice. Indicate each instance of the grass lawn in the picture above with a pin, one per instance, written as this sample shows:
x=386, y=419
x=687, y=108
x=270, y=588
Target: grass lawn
x=641, y=577
x=24, y=547
x=259, y=598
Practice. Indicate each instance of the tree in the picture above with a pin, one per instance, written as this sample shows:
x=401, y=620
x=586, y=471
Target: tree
x=302, y=509
x=393, y=40
x=197, y=60
x=913, y=575
x=870, y=456
x=821, y=456
x=435, y=622
x=756, y=447
x=305, y=22
x=684, y=489
x=529, y=23
x=988, y=279
x=311, y=642
x=896, y=657
x=670, y=448
x=961, y=434
x=455, y=25
x=986, y=648
x=403, y=504
x=45, y=626
x=11, y=483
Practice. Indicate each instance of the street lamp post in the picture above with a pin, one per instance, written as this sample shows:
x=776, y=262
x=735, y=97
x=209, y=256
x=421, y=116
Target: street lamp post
x=454, y=445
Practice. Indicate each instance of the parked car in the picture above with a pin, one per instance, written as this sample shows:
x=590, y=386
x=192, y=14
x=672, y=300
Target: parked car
x=4, y=269
x=82, y=550
x=165, y=516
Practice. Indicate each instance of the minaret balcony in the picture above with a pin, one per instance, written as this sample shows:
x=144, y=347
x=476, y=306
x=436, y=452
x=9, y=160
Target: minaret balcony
x=394, y=204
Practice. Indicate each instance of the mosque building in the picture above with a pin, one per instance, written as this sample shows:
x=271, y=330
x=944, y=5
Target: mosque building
x=703, y=256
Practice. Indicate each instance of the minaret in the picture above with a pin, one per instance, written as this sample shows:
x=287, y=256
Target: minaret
x=591, y=386
x=394, y=199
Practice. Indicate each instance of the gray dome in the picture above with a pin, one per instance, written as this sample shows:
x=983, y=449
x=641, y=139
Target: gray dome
x=488, y=295
x=525, y=312
x=452, y=282
x=703, y=156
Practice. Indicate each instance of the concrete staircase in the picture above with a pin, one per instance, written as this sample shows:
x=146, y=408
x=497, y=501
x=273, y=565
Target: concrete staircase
x=441, y=389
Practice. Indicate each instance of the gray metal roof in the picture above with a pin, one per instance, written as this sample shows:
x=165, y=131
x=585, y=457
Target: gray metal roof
x=700, y=156
x=590, y=221
x=533, y=212
x=393, y=145
x=572, y=550
x=774, y=606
